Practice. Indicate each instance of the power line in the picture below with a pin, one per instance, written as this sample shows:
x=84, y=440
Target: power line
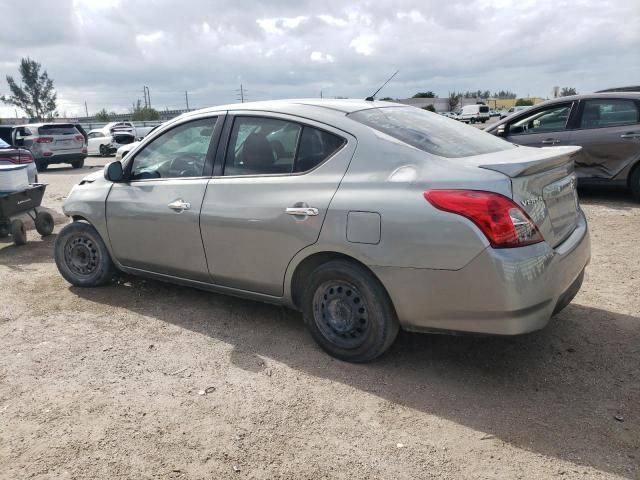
x=186, y=99
x=242, y=94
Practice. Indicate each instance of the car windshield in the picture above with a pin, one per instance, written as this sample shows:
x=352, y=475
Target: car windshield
x=430, y=132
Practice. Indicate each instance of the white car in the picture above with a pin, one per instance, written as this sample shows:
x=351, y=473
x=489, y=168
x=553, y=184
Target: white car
x=123, y=150
x=105, y=142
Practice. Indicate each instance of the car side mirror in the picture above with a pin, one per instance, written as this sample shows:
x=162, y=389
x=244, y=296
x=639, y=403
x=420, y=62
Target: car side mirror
x=501, y=131
x=113, y=172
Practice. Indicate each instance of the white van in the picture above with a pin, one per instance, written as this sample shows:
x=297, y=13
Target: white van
x=474, y=113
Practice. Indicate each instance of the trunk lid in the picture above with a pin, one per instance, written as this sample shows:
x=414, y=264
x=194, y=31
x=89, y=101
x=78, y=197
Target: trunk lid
x=543, y=183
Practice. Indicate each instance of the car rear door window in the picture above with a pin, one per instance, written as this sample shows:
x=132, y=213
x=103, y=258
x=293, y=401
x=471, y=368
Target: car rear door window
x=178, y=153
x=551, y=119
x=57, y=130
x=602, y=113
x=269, y=146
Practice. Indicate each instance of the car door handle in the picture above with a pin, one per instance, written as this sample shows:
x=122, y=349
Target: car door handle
x=307, y=211
x=179, y=205
x=630, y=135
x=550, y=141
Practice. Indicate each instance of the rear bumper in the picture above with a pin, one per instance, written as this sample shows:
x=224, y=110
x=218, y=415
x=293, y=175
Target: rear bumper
x=62, y=158
x=501, y=291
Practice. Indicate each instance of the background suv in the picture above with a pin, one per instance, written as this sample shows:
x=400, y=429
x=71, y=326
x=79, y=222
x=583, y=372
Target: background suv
x=52, y=143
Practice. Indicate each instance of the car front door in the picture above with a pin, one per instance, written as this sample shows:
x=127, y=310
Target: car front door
x=609, y=133
x=269, y=198
x=542, y=127
x=153, y=216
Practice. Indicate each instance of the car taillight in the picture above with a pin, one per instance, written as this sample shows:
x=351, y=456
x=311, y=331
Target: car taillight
x=80, y=138
x=21, y=158
x=503, y=222
x=43, y=139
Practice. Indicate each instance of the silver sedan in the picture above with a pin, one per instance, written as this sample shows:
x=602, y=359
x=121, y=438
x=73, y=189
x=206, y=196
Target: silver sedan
x=366, y=216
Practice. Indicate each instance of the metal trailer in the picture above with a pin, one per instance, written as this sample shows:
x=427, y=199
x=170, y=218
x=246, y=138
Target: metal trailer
x=24, y=201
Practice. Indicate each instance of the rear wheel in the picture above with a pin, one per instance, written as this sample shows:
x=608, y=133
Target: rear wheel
x=348, y=312
x=78, y=163
x=634, y=183
x=82, y=257
x=44, y=223
x=5, y=229
x=18, y=232
x=473, y=120
x=41, y=165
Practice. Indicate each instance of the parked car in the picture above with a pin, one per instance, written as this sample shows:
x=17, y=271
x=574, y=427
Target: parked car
x=474, y=113
x=15, y=155
x=512, y=110
x=51, y=143
x=106, y=142
x=605, y=125
x=377, y=216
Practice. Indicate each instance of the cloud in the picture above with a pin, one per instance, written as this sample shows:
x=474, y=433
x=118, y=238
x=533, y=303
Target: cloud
x=104, y=52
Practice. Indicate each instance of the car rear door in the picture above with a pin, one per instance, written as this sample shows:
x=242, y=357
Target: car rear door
x=153, y=218
x=609, y=133
x=542, y=127
x=270, y=193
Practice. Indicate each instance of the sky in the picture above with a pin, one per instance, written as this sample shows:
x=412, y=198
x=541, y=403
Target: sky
x=103, y=52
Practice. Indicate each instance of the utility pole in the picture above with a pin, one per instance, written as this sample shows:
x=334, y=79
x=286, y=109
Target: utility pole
x=186, y=99
x=86, y=110
x=241, y=93
x=321, y=94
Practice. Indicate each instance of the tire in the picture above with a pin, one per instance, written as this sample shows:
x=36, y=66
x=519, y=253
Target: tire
x=18, y=232
x=348, y=312
x=41, y=165
x=103, y=151
x=44, y=223
x=78, y=163
x=634, y=183
x=82, y=257
x=472, y=121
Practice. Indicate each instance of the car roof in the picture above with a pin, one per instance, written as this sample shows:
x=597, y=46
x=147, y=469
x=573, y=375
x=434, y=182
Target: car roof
x=341, y=105
x=584, y=96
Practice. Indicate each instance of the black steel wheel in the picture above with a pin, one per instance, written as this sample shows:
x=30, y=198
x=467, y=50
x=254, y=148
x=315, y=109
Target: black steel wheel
x=82, y=257
x=348, y=311
x=44, y=223
x=18, y=232
x=103, y=151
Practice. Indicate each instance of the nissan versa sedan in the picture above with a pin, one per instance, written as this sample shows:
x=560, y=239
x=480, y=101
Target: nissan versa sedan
x=605, y=125
x=366, y=216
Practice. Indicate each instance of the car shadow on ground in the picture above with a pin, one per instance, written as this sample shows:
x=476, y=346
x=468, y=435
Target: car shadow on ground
x=556, y=392
x=611, y=196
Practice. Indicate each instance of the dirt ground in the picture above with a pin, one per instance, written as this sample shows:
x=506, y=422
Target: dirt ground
x=111, y=382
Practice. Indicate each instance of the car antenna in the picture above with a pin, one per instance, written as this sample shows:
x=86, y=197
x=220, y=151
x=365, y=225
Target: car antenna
x=372, y=97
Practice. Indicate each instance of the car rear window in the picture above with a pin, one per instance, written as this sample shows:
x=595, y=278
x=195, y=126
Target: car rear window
x=484, y=109
x=430, y=132
x=57, y=130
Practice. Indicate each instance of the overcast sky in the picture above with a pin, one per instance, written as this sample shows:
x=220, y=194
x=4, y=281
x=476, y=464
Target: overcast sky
x=104, y=51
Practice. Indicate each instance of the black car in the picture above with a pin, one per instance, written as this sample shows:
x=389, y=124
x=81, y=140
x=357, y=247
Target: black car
x=605, y=125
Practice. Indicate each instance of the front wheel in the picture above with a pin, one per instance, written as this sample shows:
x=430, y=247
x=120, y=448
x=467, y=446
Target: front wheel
x=82, y=257
x=103, y=151
x=348, y=312
x=634, y=183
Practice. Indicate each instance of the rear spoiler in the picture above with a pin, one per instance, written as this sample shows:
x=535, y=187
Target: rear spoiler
x=548, y=159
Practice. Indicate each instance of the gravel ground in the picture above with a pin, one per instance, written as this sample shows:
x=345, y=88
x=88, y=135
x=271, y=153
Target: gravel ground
x=111, y=382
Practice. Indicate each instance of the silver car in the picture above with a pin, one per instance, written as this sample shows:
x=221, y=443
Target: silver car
x=366, y=216
x=52, y=143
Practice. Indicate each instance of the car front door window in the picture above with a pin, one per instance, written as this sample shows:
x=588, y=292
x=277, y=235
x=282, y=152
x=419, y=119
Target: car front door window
x=178, y=153
x=552, y=119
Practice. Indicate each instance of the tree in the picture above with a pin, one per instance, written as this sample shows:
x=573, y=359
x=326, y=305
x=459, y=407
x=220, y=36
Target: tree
x=140, y=113
x=103, y=116
x=387, y=99
x=429, y=107
x=454, y=99
x=524, y=102
x=428, y=94
x=504, y=94
x=566, y=91
x=36, y=96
